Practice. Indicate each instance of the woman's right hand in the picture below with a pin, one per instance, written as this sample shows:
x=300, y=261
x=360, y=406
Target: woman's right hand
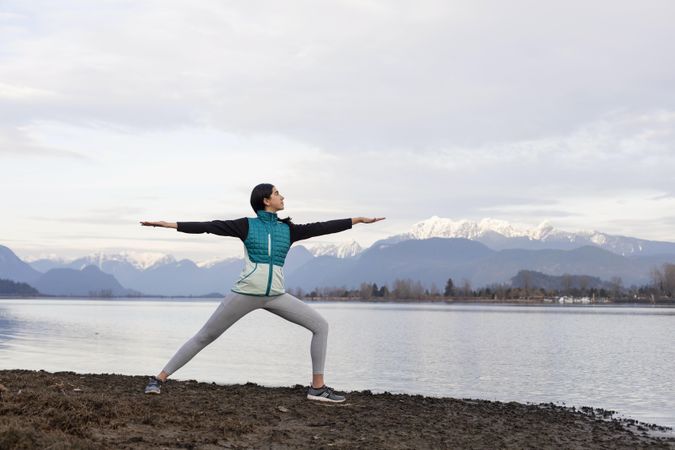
x=161, y=223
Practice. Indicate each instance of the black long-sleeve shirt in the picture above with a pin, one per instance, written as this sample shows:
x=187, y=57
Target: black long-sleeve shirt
x=239, y=228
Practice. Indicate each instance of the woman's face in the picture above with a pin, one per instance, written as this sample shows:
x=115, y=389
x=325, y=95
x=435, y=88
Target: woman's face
x=275, y=202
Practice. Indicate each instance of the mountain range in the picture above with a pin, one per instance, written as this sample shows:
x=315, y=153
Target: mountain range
x=501, y=235
x=485, y=252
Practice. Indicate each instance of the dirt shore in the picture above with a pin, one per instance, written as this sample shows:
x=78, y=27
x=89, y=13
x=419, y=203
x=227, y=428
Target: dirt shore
x=39, y=409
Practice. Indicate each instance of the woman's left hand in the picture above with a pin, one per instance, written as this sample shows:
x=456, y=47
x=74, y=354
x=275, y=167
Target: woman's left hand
x=356, y=220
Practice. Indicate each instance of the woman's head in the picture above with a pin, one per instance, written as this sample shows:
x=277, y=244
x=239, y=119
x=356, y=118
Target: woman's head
x=266, y=197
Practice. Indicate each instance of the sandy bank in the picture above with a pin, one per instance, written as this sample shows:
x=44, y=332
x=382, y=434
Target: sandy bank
x=69, y=410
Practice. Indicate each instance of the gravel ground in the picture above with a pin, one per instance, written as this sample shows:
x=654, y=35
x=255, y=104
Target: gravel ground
x=39, y=409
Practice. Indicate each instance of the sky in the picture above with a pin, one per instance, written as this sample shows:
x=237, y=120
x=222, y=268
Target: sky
x=113, y=112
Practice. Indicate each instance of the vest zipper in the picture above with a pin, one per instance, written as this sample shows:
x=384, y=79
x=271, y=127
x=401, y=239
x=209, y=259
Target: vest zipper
x=269, y=253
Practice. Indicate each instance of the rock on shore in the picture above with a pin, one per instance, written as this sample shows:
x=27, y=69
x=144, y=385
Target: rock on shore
x=39, y=409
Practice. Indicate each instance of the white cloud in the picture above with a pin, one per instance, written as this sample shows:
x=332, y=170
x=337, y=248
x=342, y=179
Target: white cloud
x=19, y=142
x=18, y=92
x=342, y=75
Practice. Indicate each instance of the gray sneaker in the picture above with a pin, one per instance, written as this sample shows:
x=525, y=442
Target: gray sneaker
x=153, y=386
x=324, y=394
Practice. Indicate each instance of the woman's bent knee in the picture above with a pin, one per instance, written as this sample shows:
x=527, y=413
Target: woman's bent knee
x=321, y=326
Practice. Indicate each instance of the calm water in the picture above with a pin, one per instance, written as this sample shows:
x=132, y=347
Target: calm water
x=619, y=358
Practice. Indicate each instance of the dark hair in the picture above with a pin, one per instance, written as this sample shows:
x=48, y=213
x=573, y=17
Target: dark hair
x=260, y=192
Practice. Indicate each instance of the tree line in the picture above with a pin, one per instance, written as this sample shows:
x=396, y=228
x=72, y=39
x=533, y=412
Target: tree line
x=661, y=287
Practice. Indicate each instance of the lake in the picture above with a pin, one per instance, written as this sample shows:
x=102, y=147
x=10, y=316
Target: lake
x=613, y=357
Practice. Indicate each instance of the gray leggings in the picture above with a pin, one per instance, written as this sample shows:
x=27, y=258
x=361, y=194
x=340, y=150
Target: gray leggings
x=235, y=306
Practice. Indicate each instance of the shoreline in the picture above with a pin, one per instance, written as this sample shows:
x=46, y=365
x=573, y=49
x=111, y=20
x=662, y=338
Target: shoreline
x=461, y=301
x=39, y=408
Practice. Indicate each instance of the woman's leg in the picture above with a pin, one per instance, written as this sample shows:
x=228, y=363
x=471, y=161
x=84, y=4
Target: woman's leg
x=232, y=308
x=297, y=311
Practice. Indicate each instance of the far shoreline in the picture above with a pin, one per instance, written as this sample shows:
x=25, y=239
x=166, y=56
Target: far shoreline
x=666, y=303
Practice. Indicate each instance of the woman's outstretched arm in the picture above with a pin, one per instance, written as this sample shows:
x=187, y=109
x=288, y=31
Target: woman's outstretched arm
x=235, y=228
x=161, y=223
x=308, y=230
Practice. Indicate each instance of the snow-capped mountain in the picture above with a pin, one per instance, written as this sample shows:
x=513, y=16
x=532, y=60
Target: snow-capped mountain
x=467, y=229
x=344, y=250
x=139, y=260
x=208, y=263
x=501, y=234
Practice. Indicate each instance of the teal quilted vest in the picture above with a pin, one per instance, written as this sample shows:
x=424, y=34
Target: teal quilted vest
x=268, y=237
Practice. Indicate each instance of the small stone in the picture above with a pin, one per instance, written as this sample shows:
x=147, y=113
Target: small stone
x=282, y=409
x=77, y=390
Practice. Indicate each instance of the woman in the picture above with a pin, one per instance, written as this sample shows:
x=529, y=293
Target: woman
x=267, y=240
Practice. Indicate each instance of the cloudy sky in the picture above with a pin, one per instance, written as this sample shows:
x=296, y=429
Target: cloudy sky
x=112, y=112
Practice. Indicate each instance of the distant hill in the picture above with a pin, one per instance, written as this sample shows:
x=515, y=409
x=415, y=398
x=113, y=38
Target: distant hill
x=9, y=287
x=89, y=281
x=435, y=260
x=161, y=274
x=184, y=277
x=536, y=280
x=591, y=261
x=13, y=268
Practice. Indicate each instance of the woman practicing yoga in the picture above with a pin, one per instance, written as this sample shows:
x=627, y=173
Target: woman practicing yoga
x=267, y=240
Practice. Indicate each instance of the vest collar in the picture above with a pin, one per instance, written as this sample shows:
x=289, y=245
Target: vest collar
x=267, y=216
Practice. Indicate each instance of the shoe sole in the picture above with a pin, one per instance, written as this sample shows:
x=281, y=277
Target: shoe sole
x=152, y=392
x=324, y=399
